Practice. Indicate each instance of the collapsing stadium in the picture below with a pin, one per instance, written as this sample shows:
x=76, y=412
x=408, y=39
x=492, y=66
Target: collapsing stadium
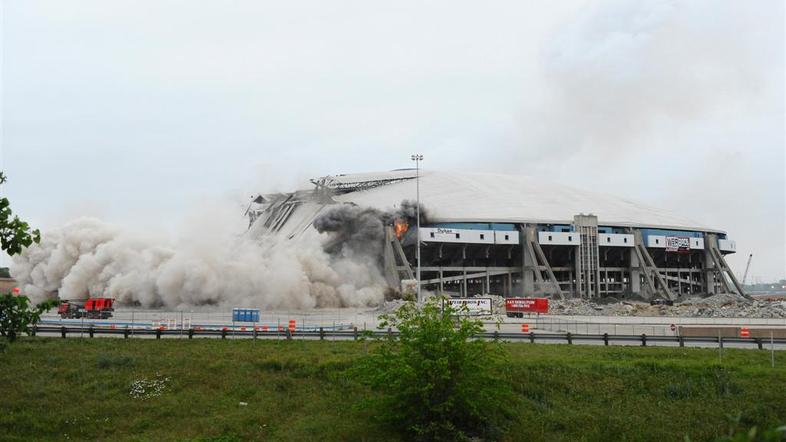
x=509, y=235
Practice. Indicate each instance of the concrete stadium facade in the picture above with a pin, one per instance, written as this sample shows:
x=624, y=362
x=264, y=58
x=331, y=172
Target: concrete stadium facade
x=514, y=235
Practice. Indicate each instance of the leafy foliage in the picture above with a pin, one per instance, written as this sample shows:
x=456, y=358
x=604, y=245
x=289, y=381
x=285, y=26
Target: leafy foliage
x=438, y=383
x=15, y=234
x=16, y=314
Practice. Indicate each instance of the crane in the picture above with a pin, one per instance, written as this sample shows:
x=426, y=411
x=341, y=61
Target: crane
x=747, y=267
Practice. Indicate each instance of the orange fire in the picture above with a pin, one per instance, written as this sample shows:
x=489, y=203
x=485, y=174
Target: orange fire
x=400, y=226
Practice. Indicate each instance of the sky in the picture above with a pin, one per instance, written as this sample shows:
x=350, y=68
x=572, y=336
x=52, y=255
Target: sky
x=137, y=111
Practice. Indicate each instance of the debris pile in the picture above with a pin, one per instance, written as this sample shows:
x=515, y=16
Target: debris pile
x=717, y=306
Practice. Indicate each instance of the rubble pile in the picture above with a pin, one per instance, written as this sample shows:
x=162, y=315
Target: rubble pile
x=717, y=306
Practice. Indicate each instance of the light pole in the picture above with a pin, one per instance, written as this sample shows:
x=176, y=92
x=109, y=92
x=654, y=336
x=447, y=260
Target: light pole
x=417, y=158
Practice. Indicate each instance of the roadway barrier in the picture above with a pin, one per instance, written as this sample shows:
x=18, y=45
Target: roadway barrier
x=354, y=334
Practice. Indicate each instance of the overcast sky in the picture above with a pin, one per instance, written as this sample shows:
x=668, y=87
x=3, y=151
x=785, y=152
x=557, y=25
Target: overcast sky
x=135, y=111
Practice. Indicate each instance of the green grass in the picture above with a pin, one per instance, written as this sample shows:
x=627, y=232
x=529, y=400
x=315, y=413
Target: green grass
x=78, y=389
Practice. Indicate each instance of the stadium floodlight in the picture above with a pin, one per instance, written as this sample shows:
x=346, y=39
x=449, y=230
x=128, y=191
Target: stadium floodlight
x=417, y=158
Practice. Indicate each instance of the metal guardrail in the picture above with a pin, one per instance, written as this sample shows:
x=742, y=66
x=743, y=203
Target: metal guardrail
x=356, y=334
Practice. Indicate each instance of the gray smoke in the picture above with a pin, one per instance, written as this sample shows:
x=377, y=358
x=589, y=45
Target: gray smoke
x=211, y=265
x=360, y=231
x=354, y=229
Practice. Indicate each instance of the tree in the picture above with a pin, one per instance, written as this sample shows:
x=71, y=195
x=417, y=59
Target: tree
x=438, y=382
x=16, y=315
x=15, y=234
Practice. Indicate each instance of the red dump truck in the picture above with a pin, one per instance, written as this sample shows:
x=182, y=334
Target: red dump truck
x=516, y=307
x=93, y=308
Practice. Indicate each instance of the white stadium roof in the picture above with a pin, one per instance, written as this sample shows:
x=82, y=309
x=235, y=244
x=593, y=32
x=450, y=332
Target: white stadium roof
x=484, y=197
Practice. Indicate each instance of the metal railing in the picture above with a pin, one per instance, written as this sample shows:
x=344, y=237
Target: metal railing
x=355, y=334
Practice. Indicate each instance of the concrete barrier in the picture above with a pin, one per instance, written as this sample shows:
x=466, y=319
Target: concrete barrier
x=732, y=332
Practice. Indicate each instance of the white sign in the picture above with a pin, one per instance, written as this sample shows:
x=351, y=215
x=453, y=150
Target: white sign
x=471, y=306
x=677, y=243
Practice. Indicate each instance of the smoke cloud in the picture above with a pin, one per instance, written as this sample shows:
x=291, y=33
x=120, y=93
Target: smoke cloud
x=213, y=263
x=359, y=231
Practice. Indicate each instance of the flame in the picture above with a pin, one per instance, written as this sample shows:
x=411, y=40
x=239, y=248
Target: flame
x=400, y=226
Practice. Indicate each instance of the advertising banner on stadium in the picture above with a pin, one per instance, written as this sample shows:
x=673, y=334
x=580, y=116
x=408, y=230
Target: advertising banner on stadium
x=677, y=244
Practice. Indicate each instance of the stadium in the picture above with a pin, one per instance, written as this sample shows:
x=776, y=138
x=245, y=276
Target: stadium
x=514, y=235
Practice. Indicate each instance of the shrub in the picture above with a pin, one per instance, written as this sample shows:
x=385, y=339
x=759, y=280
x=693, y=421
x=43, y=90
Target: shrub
x=16, y=314
x=437, y=381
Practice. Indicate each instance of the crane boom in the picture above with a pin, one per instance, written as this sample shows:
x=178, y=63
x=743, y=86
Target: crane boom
x=747, y=267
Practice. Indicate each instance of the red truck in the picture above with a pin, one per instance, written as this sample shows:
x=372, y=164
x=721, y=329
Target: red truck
x=93, y=308
x=516, y=307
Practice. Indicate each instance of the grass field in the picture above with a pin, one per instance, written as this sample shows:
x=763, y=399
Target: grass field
x=79, y=389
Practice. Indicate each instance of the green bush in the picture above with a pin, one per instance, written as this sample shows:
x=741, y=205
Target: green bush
x=437, y=382
x=16, y=314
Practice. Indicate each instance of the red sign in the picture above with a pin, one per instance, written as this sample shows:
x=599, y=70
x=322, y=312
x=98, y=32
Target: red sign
x=673, y=327
x=745, y=332
x=527, y=305
x=525, y=328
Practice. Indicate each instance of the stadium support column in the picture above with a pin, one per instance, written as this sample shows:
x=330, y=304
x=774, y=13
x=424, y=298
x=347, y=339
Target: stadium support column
x=722, y=270
x=634, y=284
x=588, y=275
x=528, y=265
x=709, y=265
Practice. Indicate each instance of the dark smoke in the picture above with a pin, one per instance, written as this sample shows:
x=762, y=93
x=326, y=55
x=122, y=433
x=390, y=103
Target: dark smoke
x=408, y=210
x=361, y=230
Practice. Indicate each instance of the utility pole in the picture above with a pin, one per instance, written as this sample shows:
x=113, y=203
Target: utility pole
x=417, y=158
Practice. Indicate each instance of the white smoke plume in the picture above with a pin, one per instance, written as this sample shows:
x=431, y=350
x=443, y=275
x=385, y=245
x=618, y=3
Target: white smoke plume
x=209, y=265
